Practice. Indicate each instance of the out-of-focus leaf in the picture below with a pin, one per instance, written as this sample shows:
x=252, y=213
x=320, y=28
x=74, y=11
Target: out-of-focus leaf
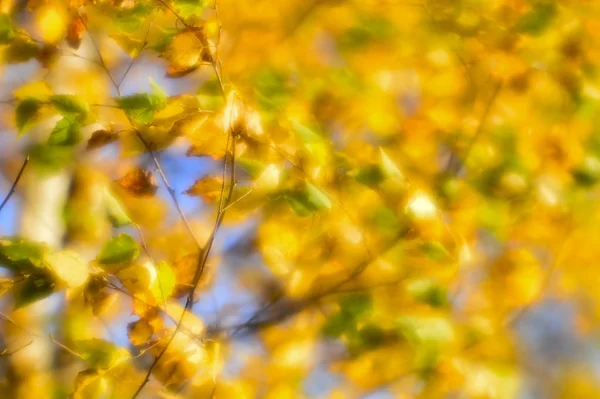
x=51, y=157
x=5, y=285
x=98, y=296
x=165, y=282
x=308, y=200
x=138, y=278
x=36, y=287
x=6, y=29
x=184, y=53
x=139, y=182
x=26, y=113
x=189, y=125
x=39, y=90
x=68, y=267
x=69, y=105
x=90, y=384
x=75, y=31
x=188, y=8
x=20, y=49
x=315, y=145
x=119, y=249
x=22, y=255
x=427, y=291
x=100, y=354
x=115, y=210
x=67, y=132
x=435, y=251
x=139, y=332
x=101, y=138
x=209, y=188
x=539, y=18
x=141, y=107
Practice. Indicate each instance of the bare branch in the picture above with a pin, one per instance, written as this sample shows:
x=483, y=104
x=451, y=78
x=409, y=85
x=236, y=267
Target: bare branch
x=15, y=183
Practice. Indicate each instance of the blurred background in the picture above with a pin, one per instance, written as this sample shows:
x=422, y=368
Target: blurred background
x=457, y=145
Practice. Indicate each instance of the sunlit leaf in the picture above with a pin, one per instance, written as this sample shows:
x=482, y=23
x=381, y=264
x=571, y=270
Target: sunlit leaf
x=209, y=188
x=308, y=200
x=68, y=267
x=165, y=281
x=90, y=384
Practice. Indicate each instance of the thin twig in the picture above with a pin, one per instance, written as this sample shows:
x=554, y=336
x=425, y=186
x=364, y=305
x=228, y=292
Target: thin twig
x=169, y=188
x=144, y=44
x=37, y=335
x=6, y=352
x=454, y=166
x=204, y=251
x=15, y=183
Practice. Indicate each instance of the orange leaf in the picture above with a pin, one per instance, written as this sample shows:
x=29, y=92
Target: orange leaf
x=139, y=182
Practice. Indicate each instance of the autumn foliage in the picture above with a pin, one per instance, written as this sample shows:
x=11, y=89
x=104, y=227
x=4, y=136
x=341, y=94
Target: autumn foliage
x=306, y=199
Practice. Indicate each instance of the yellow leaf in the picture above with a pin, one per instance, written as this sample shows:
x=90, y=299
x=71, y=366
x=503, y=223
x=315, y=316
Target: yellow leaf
x=268, y=180
x=185, y=50
x=52, y=22
x=209, y=188
x=89, y=384
x=139, y=277
x=189, y=125
x=69, y=267
x=139, y=332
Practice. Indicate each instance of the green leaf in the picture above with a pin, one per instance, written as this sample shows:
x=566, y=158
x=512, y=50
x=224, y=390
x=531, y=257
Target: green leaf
x=115, y=211
x=160, y=96
x=21, y=255
x=253, y=167
x=130, y=19
x=68, y=104
x=314, y=145
x=308, y=200
x=428, y=291
x=67, y=132
x=6, y=29
x=141, y=107
x=20, y=50
x=26, y=112
x=187, y=8
x=337, y=324
x=435, y=251
x=35, y=288
x=538, y=19
x=99, y=353
x=588, y=173
x=119, y=249
x=357, y=305
x=51, y=157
